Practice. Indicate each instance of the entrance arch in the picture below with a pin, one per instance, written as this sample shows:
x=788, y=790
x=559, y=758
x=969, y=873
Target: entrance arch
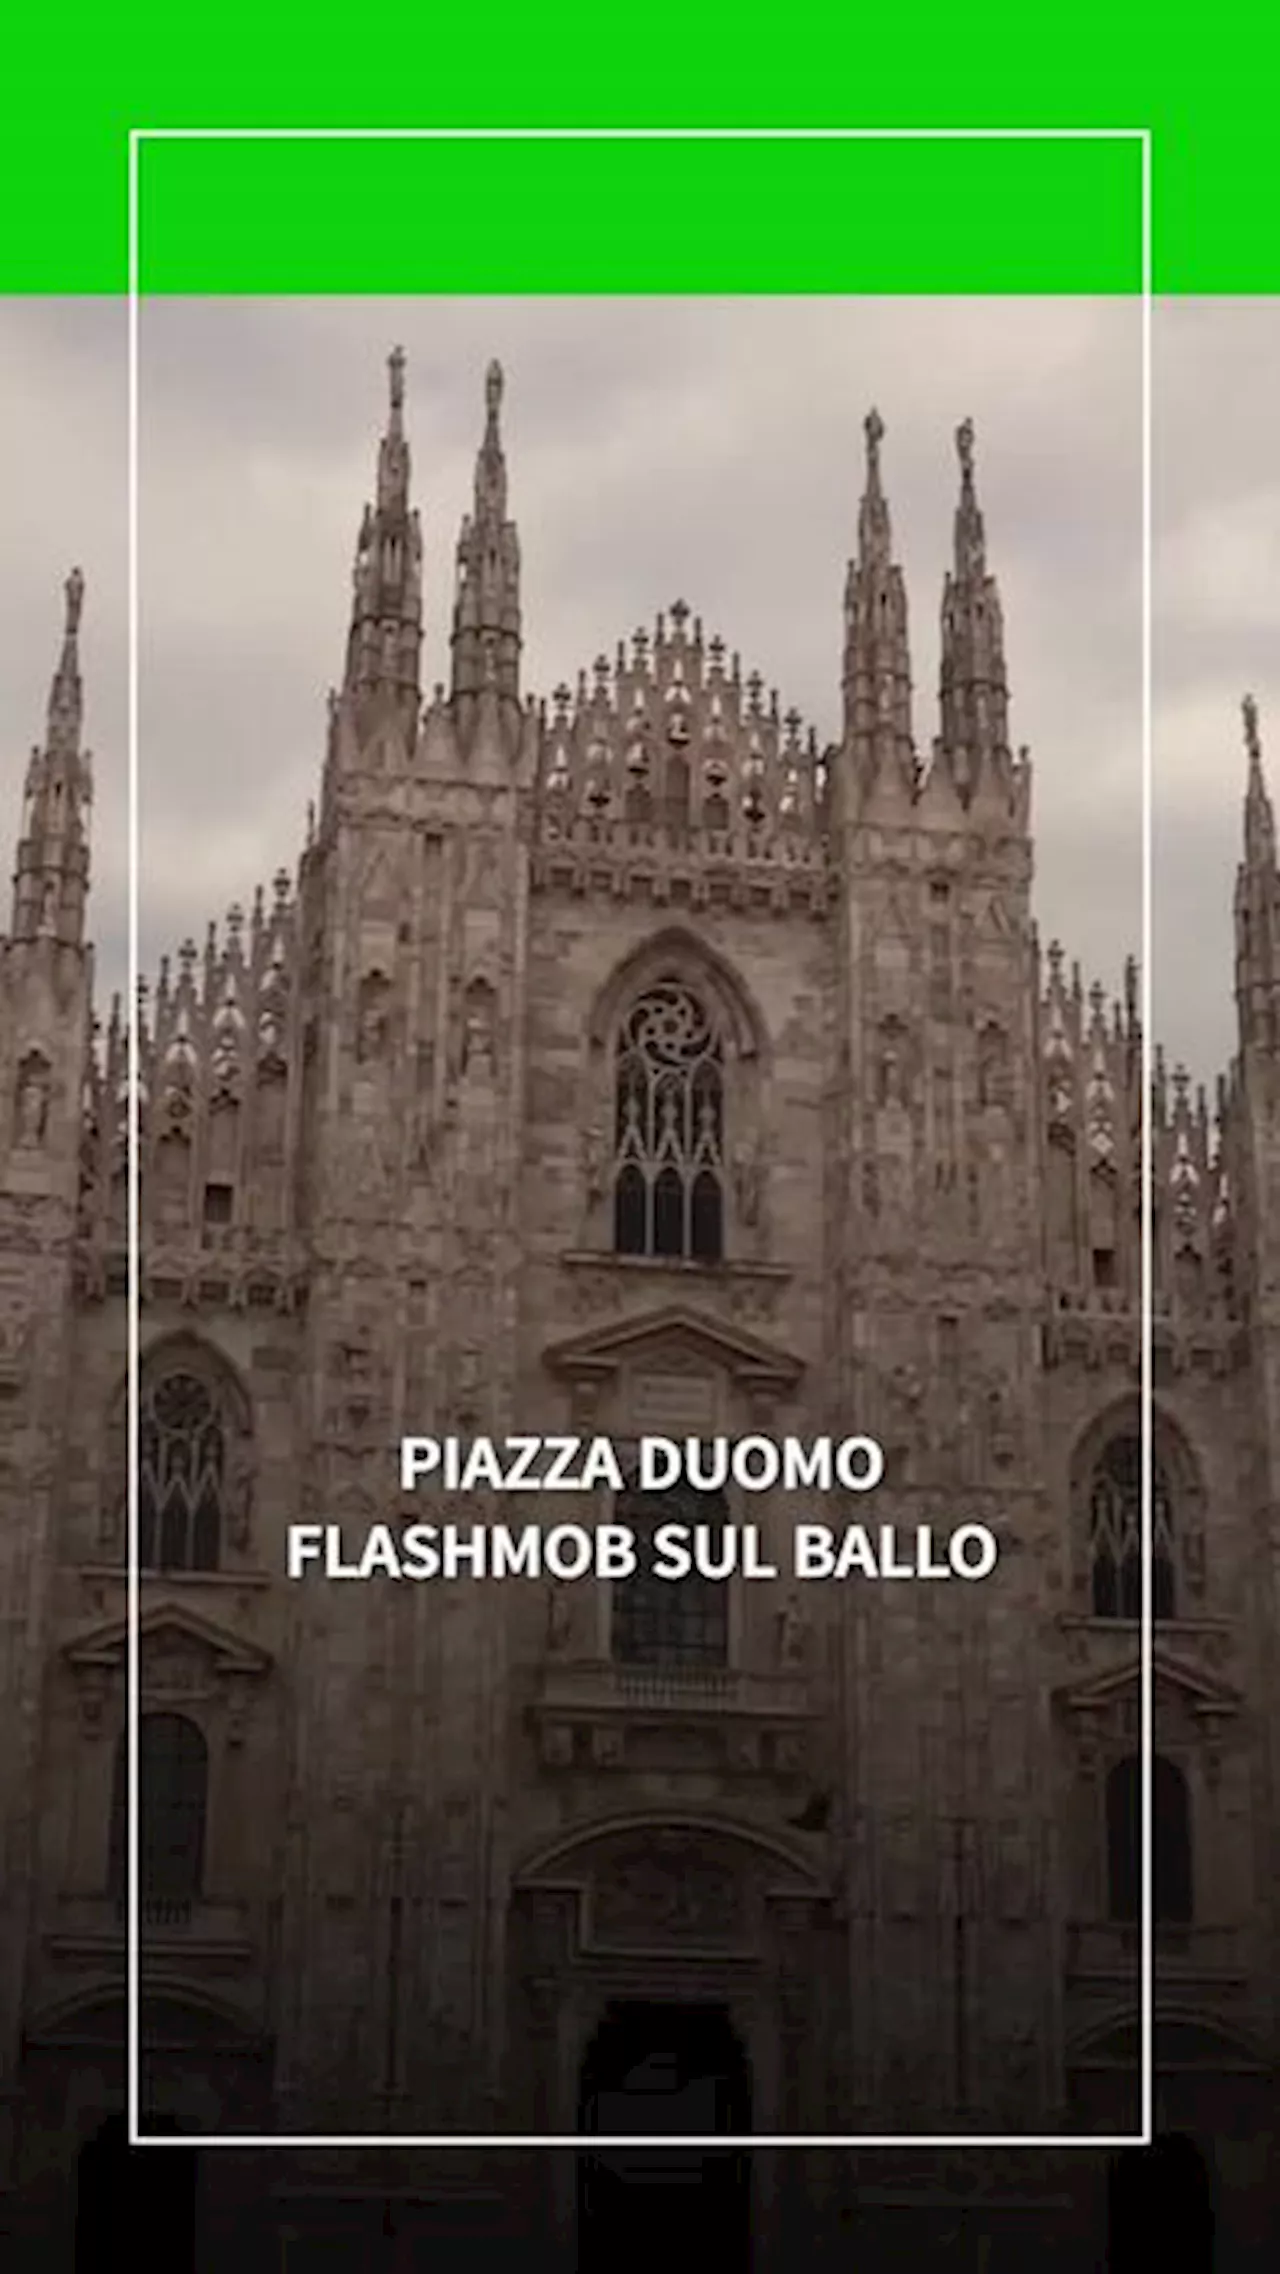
x=690, y=1912
x=664, y=2068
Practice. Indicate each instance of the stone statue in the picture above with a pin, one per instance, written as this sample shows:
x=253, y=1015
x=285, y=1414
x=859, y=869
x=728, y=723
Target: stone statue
x=593, y=1160
x=747, y=1180
x=240, y=1493
x=1001, y=1444
x=793, y=1634
x=559, y=1621
x=992, y=1084
x=32, y=1112
x=373, y=1021
x=892, y=1070
x=477, y=1036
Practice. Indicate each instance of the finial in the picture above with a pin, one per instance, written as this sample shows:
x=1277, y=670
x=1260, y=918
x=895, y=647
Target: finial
x=395, y=367
x=74, y=591
x=964, y=447
x=493, y=388
x=873, y=428
x=1252, y=739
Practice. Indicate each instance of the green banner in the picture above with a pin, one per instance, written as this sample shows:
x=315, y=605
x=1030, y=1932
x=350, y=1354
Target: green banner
x=761, y=216
x=652, y=214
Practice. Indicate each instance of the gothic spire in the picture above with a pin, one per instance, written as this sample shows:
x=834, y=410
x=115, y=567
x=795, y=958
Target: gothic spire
x=877, y=659
x=1259, y=817
x=52, y=879
x=1257, y=902
x=486, y=616
x=385, y=640
x=974, y=688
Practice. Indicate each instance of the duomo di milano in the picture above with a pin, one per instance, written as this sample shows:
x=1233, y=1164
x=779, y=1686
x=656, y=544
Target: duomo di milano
x=621, y=1063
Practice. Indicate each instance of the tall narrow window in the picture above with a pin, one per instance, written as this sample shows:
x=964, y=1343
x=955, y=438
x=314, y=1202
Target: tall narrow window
x=1171, y=1858
x=669, y=1129
x=677, y=1624
x=182, y=1459
x=173, y=1781
x=1115, y=1526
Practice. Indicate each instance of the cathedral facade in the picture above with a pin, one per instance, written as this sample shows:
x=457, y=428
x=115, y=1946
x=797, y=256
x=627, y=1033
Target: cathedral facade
x=623, y=1063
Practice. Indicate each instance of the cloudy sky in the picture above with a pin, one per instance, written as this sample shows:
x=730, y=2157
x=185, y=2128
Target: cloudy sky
x=704, y=450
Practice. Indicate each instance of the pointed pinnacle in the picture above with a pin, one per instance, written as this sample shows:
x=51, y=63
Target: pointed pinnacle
x=74, y=591
x=395, y=369
x=1252, y=738
x=1259, y=821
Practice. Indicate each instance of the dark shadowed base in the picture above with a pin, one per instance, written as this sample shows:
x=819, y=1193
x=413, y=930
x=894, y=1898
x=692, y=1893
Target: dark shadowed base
x=663, y=2069
x=124, y=2194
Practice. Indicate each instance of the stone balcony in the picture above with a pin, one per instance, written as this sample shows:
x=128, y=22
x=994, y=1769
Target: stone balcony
x=729, y=1721
x=90, y=1930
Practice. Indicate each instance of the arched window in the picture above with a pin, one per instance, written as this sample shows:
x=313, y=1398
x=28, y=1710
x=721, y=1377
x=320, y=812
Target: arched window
x=182, y=1471
x=669, y=1623
x=173, y=1786
x=1115, y=1533
x=668, y=1192
x=1171, y=1872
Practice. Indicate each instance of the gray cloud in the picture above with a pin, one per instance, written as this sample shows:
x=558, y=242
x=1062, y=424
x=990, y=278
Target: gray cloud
x=697, y=449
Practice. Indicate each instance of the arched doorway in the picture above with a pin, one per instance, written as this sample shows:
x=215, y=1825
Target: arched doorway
x=1160, y=2209
x=664, y=2069
x=123, y=2193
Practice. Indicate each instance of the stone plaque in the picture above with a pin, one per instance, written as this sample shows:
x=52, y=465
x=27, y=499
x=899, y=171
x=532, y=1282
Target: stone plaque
x=668, y=1404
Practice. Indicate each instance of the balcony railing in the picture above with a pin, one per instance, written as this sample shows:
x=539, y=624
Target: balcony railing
x=160, y=1910
x=81, y=1925
x=1107, y=1950
x=708, y=1690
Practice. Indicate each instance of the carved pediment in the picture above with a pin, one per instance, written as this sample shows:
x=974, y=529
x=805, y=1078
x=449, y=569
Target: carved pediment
x=1202, y=1695
x=672, y=1336
x=669, y=1882
x=170, y=1638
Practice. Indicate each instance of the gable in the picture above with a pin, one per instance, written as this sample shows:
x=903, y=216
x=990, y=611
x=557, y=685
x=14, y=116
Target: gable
x=668, y=1338
x=166, y=1632
x=1204, y=1695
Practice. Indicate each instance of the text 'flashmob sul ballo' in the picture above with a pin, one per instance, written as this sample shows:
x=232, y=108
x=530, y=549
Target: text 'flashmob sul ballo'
x=616, y=1548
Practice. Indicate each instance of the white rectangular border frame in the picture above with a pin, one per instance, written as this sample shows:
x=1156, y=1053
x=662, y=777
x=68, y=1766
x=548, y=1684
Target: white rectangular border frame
x=583, y=2141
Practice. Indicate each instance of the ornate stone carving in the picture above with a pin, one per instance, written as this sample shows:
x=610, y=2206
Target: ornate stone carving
x=667, y=1891
x=15, y=1342
x=1000, y=1425
x=170, y=1668
x=557, y=1745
